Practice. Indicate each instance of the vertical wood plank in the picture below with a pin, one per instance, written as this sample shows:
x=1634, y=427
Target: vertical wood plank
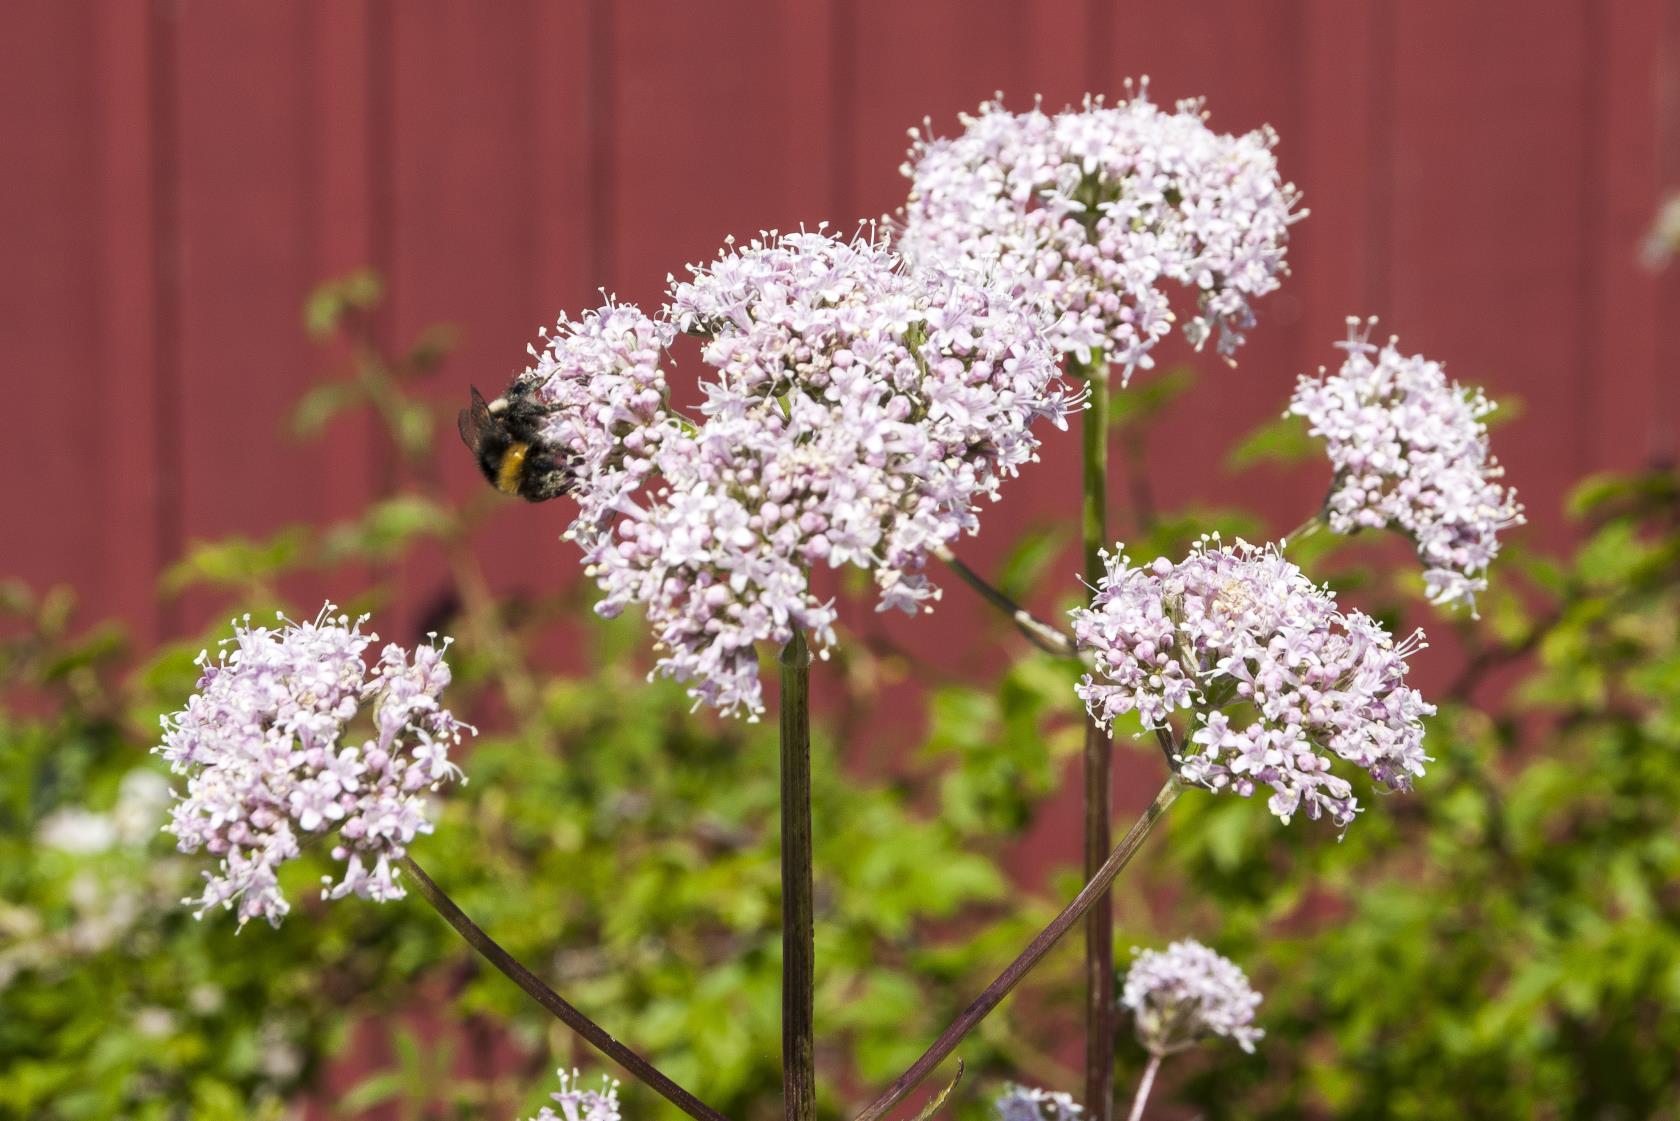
x=54, y=463
x=721, y=129
x=489, y=150
x=1617, y=398
x=126, y=302
x=245, y=174
x=1490, y=133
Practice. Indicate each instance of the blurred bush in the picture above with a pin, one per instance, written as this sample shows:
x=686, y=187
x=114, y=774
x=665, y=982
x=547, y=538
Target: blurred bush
x=1504, y=943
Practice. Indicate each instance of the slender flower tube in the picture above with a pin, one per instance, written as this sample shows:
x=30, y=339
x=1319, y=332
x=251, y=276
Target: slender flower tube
x=272, y=752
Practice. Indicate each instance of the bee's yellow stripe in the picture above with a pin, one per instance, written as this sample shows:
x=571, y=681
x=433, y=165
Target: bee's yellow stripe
x=507, y=475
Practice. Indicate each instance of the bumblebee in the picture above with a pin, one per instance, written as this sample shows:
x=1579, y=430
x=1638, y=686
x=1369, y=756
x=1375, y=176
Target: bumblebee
x=506, y=437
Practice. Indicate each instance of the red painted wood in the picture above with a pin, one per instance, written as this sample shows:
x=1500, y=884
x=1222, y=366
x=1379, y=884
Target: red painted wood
x=1488, y=249
x=55, y=467
x=1621, y=405
x=124, y=302
x=1479, y=180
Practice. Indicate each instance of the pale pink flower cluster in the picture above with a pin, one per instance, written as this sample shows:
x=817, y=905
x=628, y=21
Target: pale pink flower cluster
x=858, y=415
x=1029, y=1103
x=1089, y=214
x=267, y=748
x=1410, y=452
x=578, y=1104
x=1186, y=992
x=1275, y=680
x=601, y=382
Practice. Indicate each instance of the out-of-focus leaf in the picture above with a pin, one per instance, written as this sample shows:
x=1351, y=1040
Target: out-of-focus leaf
x=236, y=562
x=1147, y=396
x=385, y=530
x=1027, y=562
x=1284, y=440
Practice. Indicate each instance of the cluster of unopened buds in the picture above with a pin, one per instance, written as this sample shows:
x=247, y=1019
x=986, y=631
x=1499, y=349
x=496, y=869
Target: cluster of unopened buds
x=1185, y=993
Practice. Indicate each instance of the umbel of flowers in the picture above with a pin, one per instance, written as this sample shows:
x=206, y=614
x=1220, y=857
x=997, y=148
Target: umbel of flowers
x=1410, y=452
x=1029, y=1103
x=856, y=413
x=1275, y=681
x=1091, y=214
x=270, y=751
x=1185, y=993
x=577, y=1104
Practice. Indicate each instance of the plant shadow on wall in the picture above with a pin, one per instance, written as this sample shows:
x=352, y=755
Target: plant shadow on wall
x=862, y=398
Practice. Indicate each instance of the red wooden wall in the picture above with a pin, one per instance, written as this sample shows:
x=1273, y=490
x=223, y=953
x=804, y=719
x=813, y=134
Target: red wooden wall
x=179, y=174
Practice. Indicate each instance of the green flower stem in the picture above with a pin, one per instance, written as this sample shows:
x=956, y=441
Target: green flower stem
x=1099, y=762
x=1144, y=1086
x=799, y=1079
x=1044, y=635
x=593, y=1033
x=1096, y=888
x=1306, y=529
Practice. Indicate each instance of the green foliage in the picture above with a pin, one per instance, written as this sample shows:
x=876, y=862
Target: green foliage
x=621, y=845
x=1506, y=939
x=1504, y=943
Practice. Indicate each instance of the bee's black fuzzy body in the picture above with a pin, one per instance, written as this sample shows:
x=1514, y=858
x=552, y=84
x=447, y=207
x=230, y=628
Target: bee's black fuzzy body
x=505, y=435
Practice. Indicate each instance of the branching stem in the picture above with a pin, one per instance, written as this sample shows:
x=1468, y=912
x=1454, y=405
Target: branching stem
x=1042, y=634
x=597, y=1036
x=1047, y=938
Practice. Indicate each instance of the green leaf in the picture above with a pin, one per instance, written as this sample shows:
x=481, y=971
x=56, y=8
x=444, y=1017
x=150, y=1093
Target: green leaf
x=1284, y=441
x=1145, y=398
x=1031, y=557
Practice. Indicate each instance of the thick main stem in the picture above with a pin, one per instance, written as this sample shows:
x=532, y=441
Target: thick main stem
x=799, y=1076
x=1145, y=1084
x=597, y=1036
x=1095, y=888
x=1098, y=768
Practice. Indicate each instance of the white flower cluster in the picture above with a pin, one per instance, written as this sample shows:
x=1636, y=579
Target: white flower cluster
x=578, y=1104
x=1410, y=453
x=1276, y=680
x=858, y=415
x=1088, y=213
x=263, y=745
x=1185, y=992
x=1029, y=1103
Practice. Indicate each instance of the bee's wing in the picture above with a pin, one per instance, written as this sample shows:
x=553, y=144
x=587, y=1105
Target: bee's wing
x=471, y=420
